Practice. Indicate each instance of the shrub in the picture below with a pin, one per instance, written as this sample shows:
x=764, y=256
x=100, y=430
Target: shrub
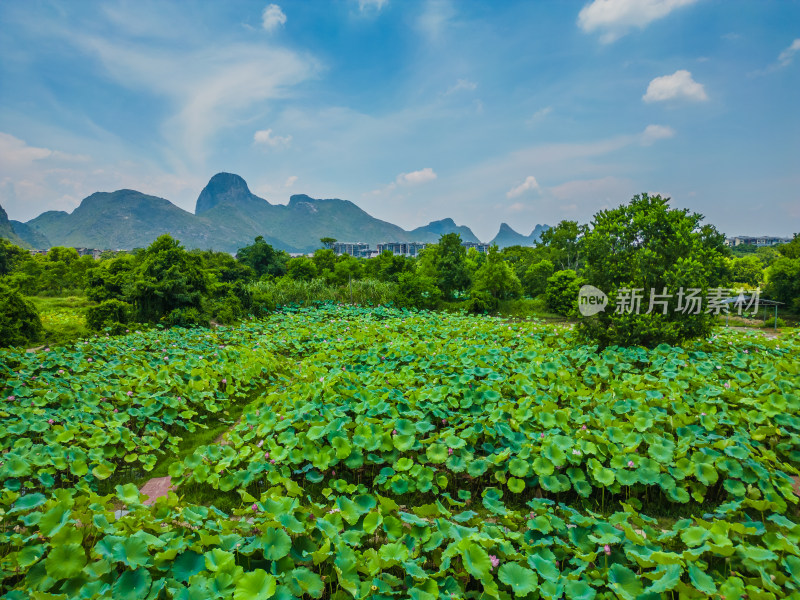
x=417, y=291
x=482, y=303
x=108, y=313
x=562, y=292
x=19, y=321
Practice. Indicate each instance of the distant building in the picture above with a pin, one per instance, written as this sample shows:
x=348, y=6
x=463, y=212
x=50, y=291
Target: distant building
x=484, y=248
x=357, y=249
x=402, y=248
x=760, y=241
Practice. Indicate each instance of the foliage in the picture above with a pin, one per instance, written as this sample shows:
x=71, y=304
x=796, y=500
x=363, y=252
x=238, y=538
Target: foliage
x=563, y=244
x=791, y=249
x=302, y=268
x=11, y=256
x=783, y=282
x=109, y=313
x=645, y=245
x=496, y=278
x=401, y=454
x=168, y=283
x=19, y=321
x=535, y=278
x=748, y=270
x=417, y=291
x=263, y=259
x=561, y=292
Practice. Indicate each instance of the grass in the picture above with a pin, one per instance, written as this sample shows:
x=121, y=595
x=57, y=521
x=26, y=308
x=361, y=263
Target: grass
x=64, y=319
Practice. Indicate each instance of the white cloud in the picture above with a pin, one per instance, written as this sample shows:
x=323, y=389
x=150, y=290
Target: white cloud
x=369, y=5
x=540, y=114
x=653, y=133
x=416, y=177
x=614, y=18
x=786, y=57
x=273, y=17
x=290, y=181
x=435, y=18
x=530, y=184
x=14, y=151
x=678, y=86
x=265, y=137
x=462, y=84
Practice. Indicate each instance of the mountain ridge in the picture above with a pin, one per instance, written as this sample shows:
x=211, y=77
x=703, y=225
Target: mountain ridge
x=227, y=216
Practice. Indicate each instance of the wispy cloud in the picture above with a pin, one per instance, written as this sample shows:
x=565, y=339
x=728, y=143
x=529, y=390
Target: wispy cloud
x=371, y=5
x=787, y=56
x=408, y=179
x=615, y=18
x=678, y=86
x=462, y=85
x=290, y=181
x=266, y=138
x=529, y=185
x=273, y=17
x=653, y=133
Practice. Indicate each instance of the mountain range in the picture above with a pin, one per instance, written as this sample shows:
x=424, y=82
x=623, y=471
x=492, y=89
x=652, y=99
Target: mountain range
x=227, y=217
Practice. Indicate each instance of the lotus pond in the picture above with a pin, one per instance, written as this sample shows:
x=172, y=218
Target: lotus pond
x=378, y=453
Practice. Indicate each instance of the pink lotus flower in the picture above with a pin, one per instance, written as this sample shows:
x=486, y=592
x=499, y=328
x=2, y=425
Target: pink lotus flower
x=394, y=431
x=333, y=472
x=583, y=427
x=280, y=417
x=541, y=435
x=61, y=371
x=630, y=463
x=50, y=421
x=255, y=507
x=607, y=549
x=224, y=382
x=88, y=360
x=266, y=454
x=444, y=421
x=260, y=443
x=130, y=394
x=450, y=451
x=12, y=398
x=272, y=462
x=115, y=410
x=728, y=385
x=495, y=561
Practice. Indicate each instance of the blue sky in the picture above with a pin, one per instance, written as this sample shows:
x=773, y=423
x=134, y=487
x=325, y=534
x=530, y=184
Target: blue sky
x=524, y=112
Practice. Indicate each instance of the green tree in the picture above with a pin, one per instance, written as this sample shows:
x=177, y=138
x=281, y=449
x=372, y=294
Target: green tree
x=646, y=245
x=452, y=274
x=417, y=291
x=110, y=278
x=302, y=268
x=791, y=249
x=347, y=268
x=324, y=260
x=563, y=244
x=535, y=279
x=561, y=293
x=263, y=258
x=497, y=278
x=328, y=242
x=19, y=321
x=783, y=282
x=747, y=270
x=168, y=280
x=11, y=256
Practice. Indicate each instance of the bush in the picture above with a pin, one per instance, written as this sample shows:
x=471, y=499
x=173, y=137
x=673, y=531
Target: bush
x=417, y=291
x=482, y=303
x=109, y=313
x=20, y=323
x=562, y=292
x=645, y=245
x=186, y=317
x=775, y=323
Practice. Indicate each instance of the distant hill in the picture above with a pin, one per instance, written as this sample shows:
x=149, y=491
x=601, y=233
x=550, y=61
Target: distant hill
x=7, y=230
x=227, y=217
x=33, y=238
x=431, y=232
x=508, y=237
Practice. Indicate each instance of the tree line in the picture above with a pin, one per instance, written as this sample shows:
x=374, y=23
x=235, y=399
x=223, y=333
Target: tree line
x=642, y=244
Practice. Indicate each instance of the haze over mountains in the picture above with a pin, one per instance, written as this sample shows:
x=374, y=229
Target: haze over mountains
x=227, y=217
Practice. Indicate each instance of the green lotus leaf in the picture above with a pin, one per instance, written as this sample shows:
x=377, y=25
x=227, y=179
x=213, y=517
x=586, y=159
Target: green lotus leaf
x=701, y=581
x=543, y=467
x=276, y=543
x=16, y=466
x=545, y=567
x=706, y=474
x=65, y=561
x=478, y=467
x=476, y=561
x=735, y=487
x=218, y=560
x=186, y=564
x=342, y=446
x=103, y=471
x=128, y=493
x=255, y=585
x=624, y=582
x=518, y=467
x=603, y=476
x=28, y=502
x=133, y=552
x=694, y=536
x=516, y=485
x=437, y=453
x=662, y=451
x=132, y=585
x=53, y=520
x=403, y=442
x=579, y=590
x=307, y=582
x=522, y=580
x=404, y=464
